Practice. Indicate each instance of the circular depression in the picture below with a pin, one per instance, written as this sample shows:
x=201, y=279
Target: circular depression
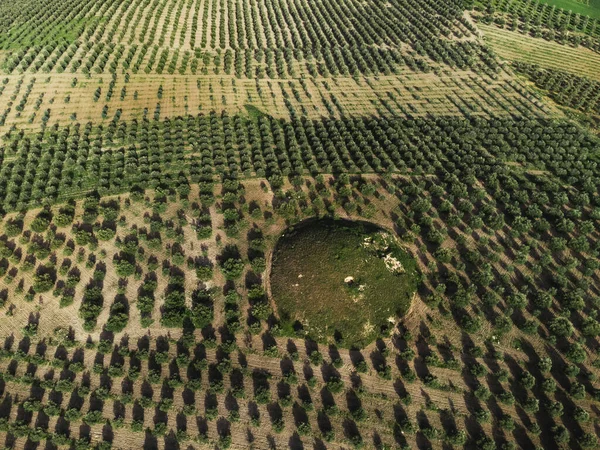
x=340, y=279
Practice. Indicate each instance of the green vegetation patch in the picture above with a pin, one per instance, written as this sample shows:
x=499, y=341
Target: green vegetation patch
x=254, y=112
x=341, y=279
x=585, y=7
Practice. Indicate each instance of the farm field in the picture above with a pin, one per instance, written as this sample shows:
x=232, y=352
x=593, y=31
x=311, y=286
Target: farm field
x=59, y=101
x=273, y=224
x=514, y=46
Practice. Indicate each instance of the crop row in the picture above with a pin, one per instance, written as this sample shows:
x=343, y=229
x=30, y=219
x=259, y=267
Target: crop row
x=248, y=24
x=565, y=88
x=332, y=34
x=58, y=163
x=275, y=62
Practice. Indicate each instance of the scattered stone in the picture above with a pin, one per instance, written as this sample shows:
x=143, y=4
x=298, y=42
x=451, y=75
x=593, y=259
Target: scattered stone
x=392, y=264
x=380, y=242
x=368, y=328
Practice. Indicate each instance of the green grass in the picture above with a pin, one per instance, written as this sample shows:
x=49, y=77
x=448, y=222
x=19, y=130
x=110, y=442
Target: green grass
x=324, y=253
x=254, y=112
x=577, y=6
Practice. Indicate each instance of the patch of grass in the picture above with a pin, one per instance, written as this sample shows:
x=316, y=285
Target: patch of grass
x=253, y=111
x=586, y=7
x=310, y=265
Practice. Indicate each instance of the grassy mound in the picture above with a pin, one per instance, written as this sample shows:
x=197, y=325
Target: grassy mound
x=342, y=280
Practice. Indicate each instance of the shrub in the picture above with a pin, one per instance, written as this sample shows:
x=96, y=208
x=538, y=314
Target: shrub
x=232, y=268
x=335, y=385
x=42, y=282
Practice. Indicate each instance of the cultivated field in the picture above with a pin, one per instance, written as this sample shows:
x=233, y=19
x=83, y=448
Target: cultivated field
x=59, y=100
x=551, y=55
x=180, y=265
x=134, y=59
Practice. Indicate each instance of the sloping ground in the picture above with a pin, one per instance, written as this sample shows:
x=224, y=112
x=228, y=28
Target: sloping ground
x=515, y=46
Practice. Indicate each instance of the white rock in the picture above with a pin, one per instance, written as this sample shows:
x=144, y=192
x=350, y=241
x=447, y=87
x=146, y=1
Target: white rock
x=392, y=264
